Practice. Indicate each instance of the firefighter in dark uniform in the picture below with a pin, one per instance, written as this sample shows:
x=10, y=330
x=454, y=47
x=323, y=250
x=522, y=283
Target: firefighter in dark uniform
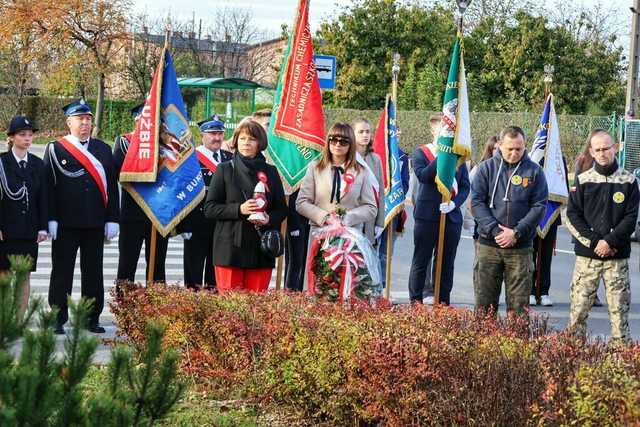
x=198, y=249
x=135, y=226
x=83, y=212
x=23, y=201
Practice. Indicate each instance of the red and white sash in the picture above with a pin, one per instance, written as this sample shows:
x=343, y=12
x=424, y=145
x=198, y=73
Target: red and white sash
x=431, y=153
x=90, y=164
x=202, y=157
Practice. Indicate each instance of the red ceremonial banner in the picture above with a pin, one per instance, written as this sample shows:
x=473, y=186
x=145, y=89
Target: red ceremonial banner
x=141, y=161
x=298, y=119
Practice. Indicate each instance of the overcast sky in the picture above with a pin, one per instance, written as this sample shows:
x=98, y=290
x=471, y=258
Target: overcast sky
x=269, y=15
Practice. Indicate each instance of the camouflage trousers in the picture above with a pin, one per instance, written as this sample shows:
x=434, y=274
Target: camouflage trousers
x=584, y=286
x=494, y=265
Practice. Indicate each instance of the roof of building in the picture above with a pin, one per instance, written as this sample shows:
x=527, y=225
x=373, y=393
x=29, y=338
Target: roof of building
x=218, y=83
x=178, y=41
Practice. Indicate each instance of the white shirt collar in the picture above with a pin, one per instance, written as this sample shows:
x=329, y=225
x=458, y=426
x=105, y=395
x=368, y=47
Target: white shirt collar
x=76, y=141
x=18, y=159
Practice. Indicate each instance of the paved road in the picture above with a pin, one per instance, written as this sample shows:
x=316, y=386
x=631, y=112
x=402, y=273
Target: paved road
x=462, y=296
x=561, y=272
x=462, y=290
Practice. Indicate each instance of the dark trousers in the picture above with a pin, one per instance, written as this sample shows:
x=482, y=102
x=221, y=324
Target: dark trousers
x=546, y=255
x=198, y=253
x=132, y=235
x=295, y=255
x=64, y=249
x=492, y=266
x=425, y=240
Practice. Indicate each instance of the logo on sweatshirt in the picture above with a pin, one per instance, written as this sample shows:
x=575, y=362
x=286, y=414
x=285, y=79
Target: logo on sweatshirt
x=618, y=197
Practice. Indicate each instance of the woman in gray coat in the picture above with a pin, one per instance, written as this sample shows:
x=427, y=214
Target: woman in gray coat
x=338, y=180
x=364, y=147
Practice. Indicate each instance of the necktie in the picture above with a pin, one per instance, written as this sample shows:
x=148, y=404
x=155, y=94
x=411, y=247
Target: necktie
x=336, y=184
x=23, y=164
x=215, y=156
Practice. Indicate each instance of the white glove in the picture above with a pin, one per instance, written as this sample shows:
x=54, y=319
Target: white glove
x=111, y=230
x=294, y=233
x=53, y=229
x=185, y=236
x=445, y=208
x=378, y=231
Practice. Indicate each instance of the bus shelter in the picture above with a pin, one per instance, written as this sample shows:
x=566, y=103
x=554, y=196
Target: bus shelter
x=210, y=84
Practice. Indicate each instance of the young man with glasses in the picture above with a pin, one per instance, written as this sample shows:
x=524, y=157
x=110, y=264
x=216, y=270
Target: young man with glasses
x=601, y=215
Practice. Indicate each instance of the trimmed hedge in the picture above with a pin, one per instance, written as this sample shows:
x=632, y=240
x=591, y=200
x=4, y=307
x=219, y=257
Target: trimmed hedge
x=361, y=365
x=46, y=114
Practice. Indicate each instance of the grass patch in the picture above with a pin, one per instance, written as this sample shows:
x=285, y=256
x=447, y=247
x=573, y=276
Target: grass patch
x=195, y=409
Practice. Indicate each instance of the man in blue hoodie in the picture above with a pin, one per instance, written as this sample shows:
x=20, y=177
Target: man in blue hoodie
x=508, y=200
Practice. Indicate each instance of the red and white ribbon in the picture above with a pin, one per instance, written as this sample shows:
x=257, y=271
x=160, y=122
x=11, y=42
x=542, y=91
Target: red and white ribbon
x=345, y=256
x=205, y=160
x=91, y=164
x=430, y=151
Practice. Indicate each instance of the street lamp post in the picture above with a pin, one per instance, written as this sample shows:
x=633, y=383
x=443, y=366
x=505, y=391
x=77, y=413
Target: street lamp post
x=395, y=70
x=462, y=8
x=632, y=79
x=548, y=79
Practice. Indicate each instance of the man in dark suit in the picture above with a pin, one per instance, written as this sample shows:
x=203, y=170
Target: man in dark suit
x=427, y=212
x=198, y=249
x=135, y=226
x=296, y=243
x=83, y=211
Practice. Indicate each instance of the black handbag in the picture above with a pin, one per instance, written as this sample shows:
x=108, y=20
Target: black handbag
x=271, y=242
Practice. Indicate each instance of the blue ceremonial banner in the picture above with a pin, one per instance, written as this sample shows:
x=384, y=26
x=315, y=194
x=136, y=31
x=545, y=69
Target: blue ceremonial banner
x=386, y=146
x=547, y=152
x=178, y=186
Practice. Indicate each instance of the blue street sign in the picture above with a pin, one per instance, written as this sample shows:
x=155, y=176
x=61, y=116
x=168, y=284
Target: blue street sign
x=326, y=69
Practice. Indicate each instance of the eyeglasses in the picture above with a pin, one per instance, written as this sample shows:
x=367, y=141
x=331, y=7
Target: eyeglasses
x=339, y=140
x=603, y=150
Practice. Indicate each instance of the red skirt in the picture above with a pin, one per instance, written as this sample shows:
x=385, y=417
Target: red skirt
x=247, y=279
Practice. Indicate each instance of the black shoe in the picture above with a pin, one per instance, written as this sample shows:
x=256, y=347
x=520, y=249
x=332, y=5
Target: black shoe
x=59, y=330
x=96, y=329
x=597, y=302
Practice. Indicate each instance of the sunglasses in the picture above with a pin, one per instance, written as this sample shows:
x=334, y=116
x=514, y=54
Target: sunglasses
x=339, y=140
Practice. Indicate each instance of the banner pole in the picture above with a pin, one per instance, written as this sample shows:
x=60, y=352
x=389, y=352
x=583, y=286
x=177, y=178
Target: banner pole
x=538, y=273
x=395, y=70
x=280, y=260
x=436, y=288
x=151, y=268
x=387, y=288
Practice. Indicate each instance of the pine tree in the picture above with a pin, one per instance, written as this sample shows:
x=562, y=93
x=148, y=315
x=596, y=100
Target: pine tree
x=38, y=389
